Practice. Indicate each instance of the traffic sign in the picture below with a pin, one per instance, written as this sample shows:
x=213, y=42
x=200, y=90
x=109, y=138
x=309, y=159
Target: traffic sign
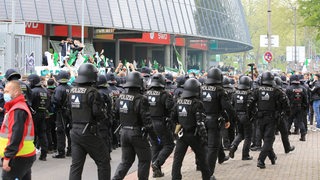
x=268, y=56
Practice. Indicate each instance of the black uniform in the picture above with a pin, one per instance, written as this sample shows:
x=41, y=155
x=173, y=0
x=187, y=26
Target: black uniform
x=188, y=112
x=105, y=124
x=133, y=110
x=241, y=100
x=51, y=126
x=161, y=103
x=298, y=103
x=40, y=104
x=87, y=112
x=269, y=100
x=63, y=119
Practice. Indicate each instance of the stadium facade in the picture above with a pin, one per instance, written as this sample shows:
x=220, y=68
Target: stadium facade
x=134, y=29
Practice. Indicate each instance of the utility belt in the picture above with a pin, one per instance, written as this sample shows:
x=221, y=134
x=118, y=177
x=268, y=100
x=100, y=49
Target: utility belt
x=131, y=127
x=241, y=112
x=86, y=127
x=261, y=114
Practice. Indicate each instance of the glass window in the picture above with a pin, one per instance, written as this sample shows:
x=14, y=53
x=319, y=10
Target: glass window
x=116, y=15
x=166, y=15
x=105, y=13
x=158, y=11
x=28, y=8
x=180, y=19
x=95, y=13
x=185, y=17
x=143, y=15
x=44, y=13
x=191, y=18
x=152, y=16
x=126, y=16
x=174, y=20
x=134, y=14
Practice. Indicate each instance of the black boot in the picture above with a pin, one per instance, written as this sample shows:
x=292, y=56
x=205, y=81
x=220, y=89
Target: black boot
x=246, y=158
x=156, y=170
x=291, y=148
x=232, y=151
x=261, y=164
x=303, y=137
x=68, y=154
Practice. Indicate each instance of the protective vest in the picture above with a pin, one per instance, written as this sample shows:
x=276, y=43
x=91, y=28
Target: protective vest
x=157, y=108
x=210, y=99
x=186, y=117
x=296, y=100
x=240, y=100
x=26, y=147
x=128, y=113
x=80, y=109
x=267, y=101
x=43, y=98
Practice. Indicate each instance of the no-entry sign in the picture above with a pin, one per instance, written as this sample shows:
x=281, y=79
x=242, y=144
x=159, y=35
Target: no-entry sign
x=268, y=56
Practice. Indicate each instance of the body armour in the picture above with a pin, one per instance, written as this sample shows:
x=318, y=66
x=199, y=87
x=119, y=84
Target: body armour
x=43, y=101
x=128, y=111
x=240, y=100
x=267, y=101
x=186, y=117
x=209, y=97
x=81, y=110
x=157, y=108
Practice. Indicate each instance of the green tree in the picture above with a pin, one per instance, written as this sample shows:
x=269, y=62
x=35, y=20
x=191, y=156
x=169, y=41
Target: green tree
x=309, y=10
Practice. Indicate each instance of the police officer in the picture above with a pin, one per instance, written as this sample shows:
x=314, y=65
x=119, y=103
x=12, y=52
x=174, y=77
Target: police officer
x=132, y=108
x=12, y=74
x=51, y=126
x=178, y=91
x=188, y=115
x=161, y=103
x=228, y=133
x=282, y=124
x=269, y=100
x=298, y=103
x=215, y=101
x=61, y=104
x=40, y=103
x=241, y=100
x=170, y=87
x=86, y=110
x=105, y=124
x=114, y=93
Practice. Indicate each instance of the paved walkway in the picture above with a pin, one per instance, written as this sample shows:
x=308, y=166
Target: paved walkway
x=301, y=164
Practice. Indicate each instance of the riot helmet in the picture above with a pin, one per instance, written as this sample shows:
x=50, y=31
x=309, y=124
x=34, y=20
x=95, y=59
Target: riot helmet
x=87, y=73
x=214, y=76
x=157, y=80
x=294, y=79
x=102, y=80
x=111, y=79
x=226, y=82
x=180, y=81
x=169, y=77
x=278, y=81
x=267, y=78
x=191, y=88
x=134, y=79
x=244, y=83
x=63, y=76
x=34, y=80
x=12, y=74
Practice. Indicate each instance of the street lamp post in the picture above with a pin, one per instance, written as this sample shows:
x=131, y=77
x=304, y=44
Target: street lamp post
x=295, y=37
x=82, y=23
x=269, y=28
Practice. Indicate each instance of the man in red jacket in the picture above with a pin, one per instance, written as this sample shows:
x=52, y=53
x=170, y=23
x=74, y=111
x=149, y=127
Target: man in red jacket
x=16, y=135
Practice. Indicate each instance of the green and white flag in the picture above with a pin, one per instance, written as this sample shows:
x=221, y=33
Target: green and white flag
x=179, y=60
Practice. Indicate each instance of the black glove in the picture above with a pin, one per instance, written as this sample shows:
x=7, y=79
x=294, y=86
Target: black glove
x=202, y=132
x=168, y=123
